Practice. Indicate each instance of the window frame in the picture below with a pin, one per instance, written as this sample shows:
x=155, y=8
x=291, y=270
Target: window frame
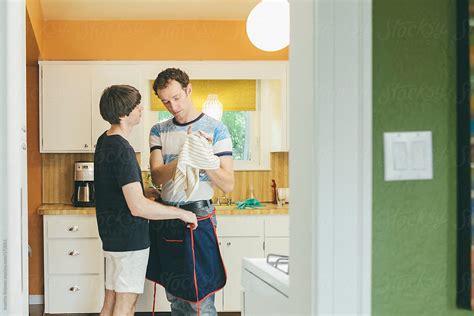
x=225, y=70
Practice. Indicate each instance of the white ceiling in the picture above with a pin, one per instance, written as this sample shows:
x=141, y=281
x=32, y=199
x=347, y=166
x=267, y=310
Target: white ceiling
x=147, y=9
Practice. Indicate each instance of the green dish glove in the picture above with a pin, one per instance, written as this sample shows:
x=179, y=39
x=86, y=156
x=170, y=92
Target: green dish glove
x=250, y=203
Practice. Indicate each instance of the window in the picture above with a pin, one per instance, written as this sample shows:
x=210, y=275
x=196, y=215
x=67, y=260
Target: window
x=239, y=125
x=249, y=106
x=163, y=116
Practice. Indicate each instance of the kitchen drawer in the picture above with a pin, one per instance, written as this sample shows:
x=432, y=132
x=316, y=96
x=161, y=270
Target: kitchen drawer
x=77, y=294
x=277, y=226
x=71, y=226
x=239, y=226
x=75, y=256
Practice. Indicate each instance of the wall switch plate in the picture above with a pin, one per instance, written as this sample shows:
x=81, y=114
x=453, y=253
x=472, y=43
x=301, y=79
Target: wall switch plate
x=408, y=156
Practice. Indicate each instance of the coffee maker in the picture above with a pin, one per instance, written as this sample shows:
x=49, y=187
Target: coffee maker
x=84, y=193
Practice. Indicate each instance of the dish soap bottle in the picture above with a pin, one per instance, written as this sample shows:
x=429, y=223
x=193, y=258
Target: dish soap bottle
x=251, y=192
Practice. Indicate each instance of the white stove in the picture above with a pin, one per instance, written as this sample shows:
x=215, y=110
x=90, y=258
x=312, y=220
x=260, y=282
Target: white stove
x=266, y=285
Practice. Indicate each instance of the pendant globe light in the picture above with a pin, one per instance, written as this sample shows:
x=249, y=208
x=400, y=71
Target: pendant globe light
x=213, y=107
x=268, y=25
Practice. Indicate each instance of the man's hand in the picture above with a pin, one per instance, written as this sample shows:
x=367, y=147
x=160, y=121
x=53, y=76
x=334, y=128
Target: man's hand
x=152, y=194
x=201, y=133
x=189, y=217
x=206, y=136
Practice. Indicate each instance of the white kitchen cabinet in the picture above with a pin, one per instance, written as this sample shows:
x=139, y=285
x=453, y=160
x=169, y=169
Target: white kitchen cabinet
x=239, y=237
x=70, y=119
x=104, y=76
x=65, y=115
x=236, y=248
x=275, y=93
x=73, y=265
x=145, y=300
x=74, y=261
x=277, y=235
x=277, y=246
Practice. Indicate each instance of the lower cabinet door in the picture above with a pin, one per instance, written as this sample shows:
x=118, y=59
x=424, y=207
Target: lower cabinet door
x=145, y=300
x=75, y=294
x=219, y=298
x=277, y=246
x=236, y=248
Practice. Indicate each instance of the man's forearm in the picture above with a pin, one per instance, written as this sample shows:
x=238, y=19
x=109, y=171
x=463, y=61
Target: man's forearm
x=157, y=211
x=162, y=174
x=222, y=178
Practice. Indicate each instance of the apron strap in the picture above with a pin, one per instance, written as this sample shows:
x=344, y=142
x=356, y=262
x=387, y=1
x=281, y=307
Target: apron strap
x=154, y=299
x=194, y=266
x=201, y=218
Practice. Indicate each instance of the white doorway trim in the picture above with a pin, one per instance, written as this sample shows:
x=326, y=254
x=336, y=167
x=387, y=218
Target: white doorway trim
x=331, y=156
x=13, y=202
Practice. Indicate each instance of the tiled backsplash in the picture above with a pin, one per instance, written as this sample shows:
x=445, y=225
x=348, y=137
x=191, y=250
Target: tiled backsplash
x=57, y=173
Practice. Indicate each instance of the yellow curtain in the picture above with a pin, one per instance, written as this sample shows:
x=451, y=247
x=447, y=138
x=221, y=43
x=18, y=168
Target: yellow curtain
x=235, y=95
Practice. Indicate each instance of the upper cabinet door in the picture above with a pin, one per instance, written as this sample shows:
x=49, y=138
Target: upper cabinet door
x=66, y=112
x=105, y=76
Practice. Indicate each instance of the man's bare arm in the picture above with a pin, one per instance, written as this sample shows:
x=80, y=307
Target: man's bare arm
x=161, y=173
x=223, y=177
x=140, y=206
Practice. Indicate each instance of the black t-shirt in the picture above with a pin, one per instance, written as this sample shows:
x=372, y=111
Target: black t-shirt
x=116, y=165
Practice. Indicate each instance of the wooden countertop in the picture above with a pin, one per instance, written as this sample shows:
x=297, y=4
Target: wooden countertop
x=68, y=209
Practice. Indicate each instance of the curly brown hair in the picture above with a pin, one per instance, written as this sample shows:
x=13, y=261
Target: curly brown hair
x=167, y=75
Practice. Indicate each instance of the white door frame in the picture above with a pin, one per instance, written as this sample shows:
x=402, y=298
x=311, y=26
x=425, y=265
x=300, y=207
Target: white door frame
x=13, y=202
x=331, y=156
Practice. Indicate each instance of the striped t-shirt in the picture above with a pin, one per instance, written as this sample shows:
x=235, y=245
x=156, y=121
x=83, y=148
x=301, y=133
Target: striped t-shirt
x=169, y=136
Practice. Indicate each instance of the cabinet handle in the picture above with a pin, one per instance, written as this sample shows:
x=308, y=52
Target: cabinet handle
x=228, y=243
x=74, y=228
x=74, y=288
x=86, y=145
x=74, y=253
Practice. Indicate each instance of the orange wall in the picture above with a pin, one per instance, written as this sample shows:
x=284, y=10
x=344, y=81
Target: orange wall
x=32, y=49
x=35, y=221
x=151, y=40
x=35, y=13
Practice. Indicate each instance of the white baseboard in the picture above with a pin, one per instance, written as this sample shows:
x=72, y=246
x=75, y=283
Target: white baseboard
x=36, y=299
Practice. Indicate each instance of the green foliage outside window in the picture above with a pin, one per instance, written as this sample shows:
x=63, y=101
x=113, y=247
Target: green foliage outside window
x=238, y=123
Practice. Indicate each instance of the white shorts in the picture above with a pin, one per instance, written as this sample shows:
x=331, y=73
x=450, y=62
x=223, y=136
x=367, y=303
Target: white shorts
x=125, y=271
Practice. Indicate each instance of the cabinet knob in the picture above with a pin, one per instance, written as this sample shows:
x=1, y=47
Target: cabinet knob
x=86, y=145
x=228, y=243
x=74, y=288
x=74, y=228
x=74, y=253
x=95, y=145
x=23, y=146
x=220, y=243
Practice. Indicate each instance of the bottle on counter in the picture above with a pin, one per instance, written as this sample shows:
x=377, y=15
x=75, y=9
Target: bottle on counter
x=251, y=192
x=274, y=192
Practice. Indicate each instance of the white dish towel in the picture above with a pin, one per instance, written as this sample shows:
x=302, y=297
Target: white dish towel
x=196, y=153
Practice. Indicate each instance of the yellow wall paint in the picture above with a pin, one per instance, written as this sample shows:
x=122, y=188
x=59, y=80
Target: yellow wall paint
x=235, y=95
x=35, y=12
x=151, y=40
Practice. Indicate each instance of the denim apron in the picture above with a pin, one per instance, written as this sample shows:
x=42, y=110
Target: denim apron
x=186, y=262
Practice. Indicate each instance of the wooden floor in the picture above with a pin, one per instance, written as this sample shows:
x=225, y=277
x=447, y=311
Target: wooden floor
x=38, y=310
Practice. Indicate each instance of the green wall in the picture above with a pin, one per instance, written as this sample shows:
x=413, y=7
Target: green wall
x=414, y=222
